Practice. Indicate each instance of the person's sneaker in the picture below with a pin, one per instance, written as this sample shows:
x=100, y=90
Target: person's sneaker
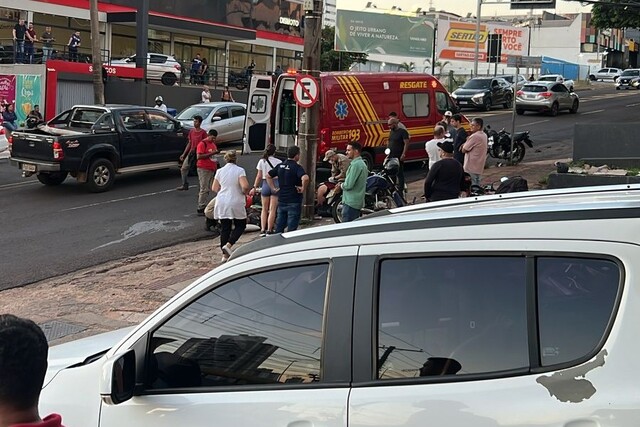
x=201, y=212
x=183, y=188
x=227, y=250
x=263, y=233
x=270, y=232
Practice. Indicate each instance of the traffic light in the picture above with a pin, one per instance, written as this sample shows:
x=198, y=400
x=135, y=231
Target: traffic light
x=494, y=48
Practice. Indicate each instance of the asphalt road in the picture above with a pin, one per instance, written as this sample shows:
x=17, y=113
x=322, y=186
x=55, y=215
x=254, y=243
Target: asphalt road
x=48, y=231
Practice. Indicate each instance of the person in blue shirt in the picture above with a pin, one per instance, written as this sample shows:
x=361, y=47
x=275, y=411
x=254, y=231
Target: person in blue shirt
x=9, y=119
x=292, y=181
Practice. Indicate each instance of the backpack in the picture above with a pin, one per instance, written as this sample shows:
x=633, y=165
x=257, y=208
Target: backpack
x=513, y=185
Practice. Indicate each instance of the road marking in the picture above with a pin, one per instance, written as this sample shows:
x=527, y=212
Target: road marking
x=533, y=123
x=591, y=112
x=633, y=105
x=17, y=184
x=106, y=202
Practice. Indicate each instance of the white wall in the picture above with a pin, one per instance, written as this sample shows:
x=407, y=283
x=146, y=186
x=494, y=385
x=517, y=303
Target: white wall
x=557, y=42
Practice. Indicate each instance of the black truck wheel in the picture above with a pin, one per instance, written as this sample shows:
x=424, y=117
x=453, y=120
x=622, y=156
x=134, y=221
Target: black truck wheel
x=100, y=176
x=54, y=178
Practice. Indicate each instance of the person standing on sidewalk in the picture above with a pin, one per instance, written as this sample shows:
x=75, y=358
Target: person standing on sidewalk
x=196, y=135
x=446, y=177
x=293, y=181
x=19, y=33
x=398, y=144
x=205, y=96
x=461, y=138
x=268, y=198
x=47, y=44
x=206, y=164
x=23, y=365
x=475, y=152
x=30, y=38
x=354, y=185
x=73, y=45
x=231, y=186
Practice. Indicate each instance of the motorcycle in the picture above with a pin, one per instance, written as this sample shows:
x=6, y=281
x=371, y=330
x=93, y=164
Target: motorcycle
x=499, y=144
x=240, y=79
x=381, y=191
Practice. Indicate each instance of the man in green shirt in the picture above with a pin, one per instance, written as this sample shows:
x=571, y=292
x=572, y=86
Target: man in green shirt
x=354, y=185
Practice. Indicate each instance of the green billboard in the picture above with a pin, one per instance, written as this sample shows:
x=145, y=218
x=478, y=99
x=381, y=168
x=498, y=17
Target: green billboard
x=377, y=33
x=28, y=94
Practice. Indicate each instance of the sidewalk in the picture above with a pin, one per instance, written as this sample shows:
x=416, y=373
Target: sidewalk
x=124, y=292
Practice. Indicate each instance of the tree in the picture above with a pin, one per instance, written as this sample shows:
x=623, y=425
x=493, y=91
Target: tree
x=616, y=14
x=332, y=60
x=438, y=66
x=98, y=83
x=407, y=66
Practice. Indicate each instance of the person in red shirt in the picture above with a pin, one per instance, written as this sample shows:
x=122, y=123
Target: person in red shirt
x=207, y=165
x=23, y=364
x=196, y=135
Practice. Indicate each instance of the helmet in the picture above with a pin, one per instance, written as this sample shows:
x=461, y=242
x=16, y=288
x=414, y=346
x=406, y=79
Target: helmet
x=159, y=98
x=392, y=166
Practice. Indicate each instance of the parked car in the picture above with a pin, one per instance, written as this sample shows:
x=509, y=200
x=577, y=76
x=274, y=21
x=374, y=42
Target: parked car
x=606, y=74
x=550, y=97
x=399, y=319
x=515, y=82
x=557, y=78
x=159, y=67
x=225, y=117
x=629, y=79
x=484, y=92
x=92, y=143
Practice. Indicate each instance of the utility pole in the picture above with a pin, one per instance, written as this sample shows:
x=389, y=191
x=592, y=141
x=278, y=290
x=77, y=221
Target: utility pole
x=310, y=117
x=477, y=50
x=98, y=83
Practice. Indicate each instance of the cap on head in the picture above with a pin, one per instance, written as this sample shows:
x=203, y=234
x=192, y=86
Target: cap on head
x=328, y=155
x=448, y=114
x=446, y=146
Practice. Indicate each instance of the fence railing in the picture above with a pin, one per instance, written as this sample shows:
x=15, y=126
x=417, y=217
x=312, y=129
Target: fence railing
x=12, y=52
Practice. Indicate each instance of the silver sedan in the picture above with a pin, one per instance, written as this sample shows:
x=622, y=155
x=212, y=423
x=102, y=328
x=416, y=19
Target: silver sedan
x=549, y=97
x=225, y=117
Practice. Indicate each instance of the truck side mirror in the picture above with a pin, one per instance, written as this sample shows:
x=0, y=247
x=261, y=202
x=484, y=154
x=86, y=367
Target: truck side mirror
x=118, y=380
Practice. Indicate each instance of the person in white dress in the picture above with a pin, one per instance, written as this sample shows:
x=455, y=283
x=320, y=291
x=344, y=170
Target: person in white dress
x=269, y=199
x=232, y=187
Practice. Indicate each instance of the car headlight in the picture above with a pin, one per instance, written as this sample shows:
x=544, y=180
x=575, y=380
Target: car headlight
x=478, y=97
x=453, y=95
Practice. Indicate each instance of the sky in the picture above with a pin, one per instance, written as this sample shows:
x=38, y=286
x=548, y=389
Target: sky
x=460, y=7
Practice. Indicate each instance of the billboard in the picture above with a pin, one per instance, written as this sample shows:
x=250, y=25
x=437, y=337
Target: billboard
x=533, y=4
x=456, y=40
x=28, y=94
x=378, y=33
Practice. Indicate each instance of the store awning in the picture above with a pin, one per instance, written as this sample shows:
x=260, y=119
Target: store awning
x=183, y=25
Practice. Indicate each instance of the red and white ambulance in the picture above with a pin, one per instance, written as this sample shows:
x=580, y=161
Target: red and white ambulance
x=354, y=107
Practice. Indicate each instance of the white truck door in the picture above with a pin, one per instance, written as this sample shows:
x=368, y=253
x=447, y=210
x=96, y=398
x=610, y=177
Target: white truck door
x=257, y=125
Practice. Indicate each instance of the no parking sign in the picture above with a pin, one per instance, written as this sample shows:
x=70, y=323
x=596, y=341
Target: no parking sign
x=306, y=91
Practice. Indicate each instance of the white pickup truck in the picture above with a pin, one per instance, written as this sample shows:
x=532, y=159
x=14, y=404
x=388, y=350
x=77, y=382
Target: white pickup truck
x=558, y=78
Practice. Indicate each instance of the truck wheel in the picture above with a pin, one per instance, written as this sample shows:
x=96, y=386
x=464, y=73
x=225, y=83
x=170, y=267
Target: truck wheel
x=101, y=175
x=368, y=159
x=55, y=178
x=169, y=79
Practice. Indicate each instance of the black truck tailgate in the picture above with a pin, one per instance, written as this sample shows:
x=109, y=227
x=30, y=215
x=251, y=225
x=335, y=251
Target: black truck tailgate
x=32, y=146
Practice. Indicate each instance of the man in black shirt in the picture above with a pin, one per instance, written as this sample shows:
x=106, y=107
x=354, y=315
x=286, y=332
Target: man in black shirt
x=19, y=32
x=461, y=137
x=292, y=182
x=446, y=177
x=398, y=144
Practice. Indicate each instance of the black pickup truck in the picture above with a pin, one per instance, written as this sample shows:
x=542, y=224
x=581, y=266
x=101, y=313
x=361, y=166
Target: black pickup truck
x=94, y=143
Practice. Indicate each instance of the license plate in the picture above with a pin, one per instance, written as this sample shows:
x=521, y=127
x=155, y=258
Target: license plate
x=462, y=102
x=28, y=168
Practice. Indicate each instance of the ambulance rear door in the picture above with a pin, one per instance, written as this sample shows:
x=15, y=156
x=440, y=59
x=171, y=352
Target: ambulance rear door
x=257, y=125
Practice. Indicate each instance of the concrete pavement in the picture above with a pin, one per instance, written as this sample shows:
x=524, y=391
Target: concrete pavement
x=125, y=291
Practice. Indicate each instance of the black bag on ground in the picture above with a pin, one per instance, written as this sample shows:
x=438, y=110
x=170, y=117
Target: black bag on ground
x=513, y=185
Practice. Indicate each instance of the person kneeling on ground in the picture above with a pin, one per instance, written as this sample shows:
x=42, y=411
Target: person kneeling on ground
x=23, y=365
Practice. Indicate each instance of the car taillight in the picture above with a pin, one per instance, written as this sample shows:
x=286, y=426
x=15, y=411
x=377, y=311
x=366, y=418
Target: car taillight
x=546, y=94
x=58, y=154
x=519, y=93
x=177, y=67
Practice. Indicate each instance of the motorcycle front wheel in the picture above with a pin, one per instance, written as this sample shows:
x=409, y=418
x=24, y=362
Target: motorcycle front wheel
x=336, y=210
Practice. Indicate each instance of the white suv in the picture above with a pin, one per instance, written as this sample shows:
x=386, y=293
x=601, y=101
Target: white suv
x=506, y=310
x=606, y=74
x=164, y=68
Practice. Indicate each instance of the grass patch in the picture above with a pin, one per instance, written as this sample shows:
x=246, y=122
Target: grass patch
x=633, y=172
